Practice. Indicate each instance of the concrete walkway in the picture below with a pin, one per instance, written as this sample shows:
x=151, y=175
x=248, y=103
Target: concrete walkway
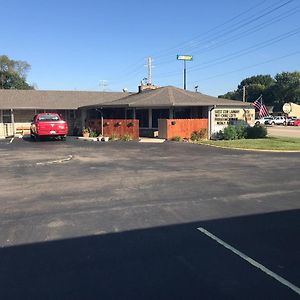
x=151, y=140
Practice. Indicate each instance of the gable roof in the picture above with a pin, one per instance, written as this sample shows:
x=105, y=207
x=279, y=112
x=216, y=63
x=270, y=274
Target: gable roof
x=33, y=99
x=170, y=96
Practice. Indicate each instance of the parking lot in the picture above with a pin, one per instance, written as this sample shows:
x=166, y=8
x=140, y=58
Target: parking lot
x=284, y=131
x=126, y=220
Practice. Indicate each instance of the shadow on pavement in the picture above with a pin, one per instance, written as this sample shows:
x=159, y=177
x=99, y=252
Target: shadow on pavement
x=171, y=262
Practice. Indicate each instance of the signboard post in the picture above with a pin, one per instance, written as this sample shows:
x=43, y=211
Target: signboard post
x=185, y=58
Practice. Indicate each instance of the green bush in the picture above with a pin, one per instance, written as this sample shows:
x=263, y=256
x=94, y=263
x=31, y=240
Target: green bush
x=177, y=139
x=256, y=132
x=199, y=135
x=126, y=137
x=241, y=131
x=219, y=135
x=114, y=137
x=94, y=133
x=230, y=133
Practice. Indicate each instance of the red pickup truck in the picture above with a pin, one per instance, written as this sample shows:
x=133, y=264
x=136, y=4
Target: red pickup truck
x=48, y=124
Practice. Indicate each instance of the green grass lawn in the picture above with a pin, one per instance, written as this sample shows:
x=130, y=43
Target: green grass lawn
x=270, y=143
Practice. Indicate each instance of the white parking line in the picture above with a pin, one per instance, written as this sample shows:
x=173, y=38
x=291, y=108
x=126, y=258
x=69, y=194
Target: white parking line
x=251, y=261
x=12, y=139
x=55, y=161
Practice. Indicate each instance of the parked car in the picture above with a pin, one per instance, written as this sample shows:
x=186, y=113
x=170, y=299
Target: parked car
x=262, y=121
x=48, y=124
x=294, y=122
x=279, y=120
x=291, y=120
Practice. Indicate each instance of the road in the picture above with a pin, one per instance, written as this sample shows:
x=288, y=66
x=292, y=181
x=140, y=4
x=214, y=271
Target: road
x=119, y=220
x=284, y=131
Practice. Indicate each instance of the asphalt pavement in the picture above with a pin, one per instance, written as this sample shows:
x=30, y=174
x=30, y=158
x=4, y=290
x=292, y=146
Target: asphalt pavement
x=284, y=131
x=121, y=220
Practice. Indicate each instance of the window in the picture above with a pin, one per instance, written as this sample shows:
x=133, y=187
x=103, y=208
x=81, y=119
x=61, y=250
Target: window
x=6, y=116
x=113, y=113
x=46, y=118
x=159, y=114
x=143, y=116
x=129, y=113
x=182, y=113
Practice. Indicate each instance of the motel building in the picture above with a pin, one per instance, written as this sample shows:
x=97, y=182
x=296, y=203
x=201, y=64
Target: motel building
x=163, y=112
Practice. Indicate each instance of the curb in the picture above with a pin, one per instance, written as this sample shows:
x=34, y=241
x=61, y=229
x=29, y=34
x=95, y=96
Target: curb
x=253, y=150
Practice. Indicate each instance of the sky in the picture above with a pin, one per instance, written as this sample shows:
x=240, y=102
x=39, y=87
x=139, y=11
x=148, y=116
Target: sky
x=104, y=45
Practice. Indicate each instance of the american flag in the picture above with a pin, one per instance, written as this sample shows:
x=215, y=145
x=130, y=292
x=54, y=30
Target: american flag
x=262, y=110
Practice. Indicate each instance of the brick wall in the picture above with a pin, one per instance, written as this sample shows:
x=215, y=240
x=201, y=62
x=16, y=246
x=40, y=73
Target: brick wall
x=170, y=128
x=118, y=127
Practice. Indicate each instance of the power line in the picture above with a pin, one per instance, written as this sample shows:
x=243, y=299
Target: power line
x=248, y=67
x=237, y=26
x=257, y=28
x=237, y=54
x=135, y=68
x=208, y=32
x=240, y=25
x=252, y=30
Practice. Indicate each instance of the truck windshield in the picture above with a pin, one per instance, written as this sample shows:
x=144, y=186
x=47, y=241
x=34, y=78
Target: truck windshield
x=46, y=118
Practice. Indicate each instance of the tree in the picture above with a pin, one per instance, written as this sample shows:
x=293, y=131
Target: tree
x=255, y=86
x=13, y=74
x=287, y=87
x=284, y=87
x=261, y=80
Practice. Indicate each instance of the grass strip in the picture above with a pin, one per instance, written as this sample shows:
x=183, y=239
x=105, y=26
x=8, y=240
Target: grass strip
x=269, y=143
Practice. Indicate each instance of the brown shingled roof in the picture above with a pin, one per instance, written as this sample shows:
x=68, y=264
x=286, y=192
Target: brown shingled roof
x=170, y=96
x=32, y=99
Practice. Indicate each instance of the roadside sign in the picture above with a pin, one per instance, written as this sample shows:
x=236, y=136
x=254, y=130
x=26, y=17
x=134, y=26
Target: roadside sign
x=185, y=57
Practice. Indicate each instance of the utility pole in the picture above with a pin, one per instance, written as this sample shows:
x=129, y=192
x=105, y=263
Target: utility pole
x=150, y=67
x=244, y=93
x=103, y=84
x=149, y=81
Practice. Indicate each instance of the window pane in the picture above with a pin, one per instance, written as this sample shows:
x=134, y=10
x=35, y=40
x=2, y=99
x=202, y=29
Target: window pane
x=182, y=113
x=143, y=116
x=159, y=114
x=6, y=116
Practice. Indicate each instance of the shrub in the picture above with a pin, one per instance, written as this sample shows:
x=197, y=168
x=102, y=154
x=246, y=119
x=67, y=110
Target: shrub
x=230, y=133
x=85, y=130
x=241, y=131
x=126, y=137
x=219, y=135
x=94, y=133
x=114, y=137
x=256, y=132
x=199, y=135
x=176, y=139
